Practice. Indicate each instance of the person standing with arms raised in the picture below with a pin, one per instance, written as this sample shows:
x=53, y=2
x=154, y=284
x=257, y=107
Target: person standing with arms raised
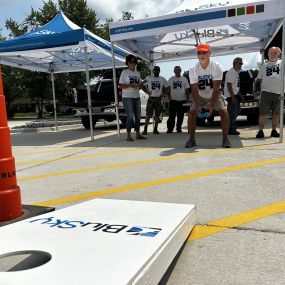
x=205, y=79
x=130, y=82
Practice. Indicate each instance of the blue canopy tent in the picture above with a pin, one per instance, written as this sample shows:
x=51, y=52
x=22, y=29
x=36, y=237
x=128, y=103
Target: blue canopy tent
x=230, y=27
x=61, y=46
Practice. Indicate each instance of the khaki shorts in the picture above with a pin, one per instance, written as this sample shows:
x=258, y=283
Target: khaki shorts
x=154, y=105
x=204, y=103
x=269, y=101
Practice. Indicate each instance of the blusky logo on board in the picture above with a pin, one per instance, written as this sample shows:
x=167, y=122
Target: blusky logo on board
x=54, y=222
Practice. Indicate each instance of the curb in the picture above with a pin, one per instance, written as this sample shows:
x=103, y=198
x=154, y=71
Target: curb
x=45, y=129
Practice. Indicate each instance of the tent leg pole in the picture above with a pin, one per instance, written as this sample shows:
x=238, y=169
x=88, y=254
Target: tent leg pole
x=54, y=102
x=115, y=89
x=282, y=83
x=89, y=94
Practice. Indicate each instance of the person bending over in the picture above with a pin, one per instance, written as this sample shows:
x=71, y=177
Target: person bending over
x=205, y=79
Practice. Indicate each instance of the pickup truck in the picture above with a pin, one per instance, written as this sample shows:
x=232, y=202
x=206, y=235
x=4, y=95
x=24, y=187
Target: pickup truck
x=103, y=104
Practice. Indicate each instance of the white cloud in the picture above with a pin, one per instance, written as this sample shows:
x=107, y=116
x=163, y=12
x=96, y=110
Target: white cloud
x=106, y=9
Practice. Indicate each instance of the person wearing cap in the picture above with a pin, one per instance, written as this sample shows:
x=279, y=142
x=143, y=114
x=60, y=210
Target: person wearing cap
x=179, y=93
x=233, y=94
x=154, y=85
x=130, y=82
x=269, y=79
x=205, y=79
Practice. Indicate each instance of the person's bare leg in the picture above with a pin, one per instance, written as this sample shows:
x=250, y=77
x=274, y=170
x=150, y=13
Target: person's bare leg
x=275, y=121
x=146, y=125
x=191, y=129
x=156, y=122
x=261, y=122
x=192, y=123
x=225, y=122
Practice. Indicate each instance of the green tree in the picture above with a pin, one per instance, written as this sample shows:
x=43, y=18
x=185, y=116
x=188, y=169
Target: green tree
x=103, y=30
x=37, y=85
x=127, y=16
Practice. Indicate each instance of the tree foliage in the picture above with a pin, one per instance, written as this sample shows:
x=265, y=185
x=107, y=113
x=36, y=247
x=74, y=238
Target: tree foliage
x=36, y=86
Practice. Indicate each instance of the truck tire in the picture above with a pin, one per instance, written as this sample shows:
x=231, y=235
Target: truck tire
x=86, y=122
x=123, y=121
x=253, y=119
x=211, y=118
x=200, y=121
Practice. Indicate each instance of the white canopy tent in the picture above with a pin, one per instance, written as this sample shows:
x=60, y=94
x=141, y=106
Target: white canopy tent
x=61, y=46
x=230, y=27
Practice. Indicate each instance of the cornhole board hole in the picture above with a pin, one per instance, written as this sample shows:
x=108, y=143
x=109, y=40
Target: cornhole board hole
x=101, y=241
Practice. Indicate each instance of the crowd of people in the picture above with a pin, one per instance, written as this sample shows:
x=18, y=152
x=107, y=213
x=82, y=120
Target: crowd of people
x=205, y=79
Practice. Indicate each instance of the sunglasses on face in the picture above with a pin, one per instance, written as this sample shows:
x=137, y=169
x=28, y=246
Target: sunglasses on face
x=202, y=52
x=239, y=63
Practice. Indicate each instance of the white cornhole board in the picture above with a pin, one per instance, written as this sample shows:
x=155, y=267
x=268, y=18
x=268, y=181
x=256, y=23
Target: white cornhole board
x=101, y=241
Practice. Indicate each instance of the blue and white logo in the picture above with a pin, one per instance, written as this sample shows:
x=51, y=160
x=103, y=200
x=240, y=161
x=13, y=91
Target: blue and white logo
x=64, y=224
x=143, y=231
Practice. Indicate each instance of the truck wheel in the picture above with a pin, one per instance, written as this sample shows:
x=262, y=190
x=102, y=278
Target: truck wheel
x=252, y=119
x=200, y=121
x=123, y=121
x=86, y=122
x=211, y=118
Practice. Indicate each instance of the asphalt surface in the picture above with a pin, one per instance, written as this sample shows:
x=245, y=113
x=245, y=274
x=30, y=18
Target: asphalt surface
x=239, y=237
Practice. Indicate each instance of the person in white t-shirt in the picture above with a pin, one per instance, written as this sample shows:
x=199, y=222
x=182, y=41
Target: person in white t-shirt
x=154, y=85
x=179, y=93
x=269, y=78
x=130, y=82
x=205, y=79
x=233, y=94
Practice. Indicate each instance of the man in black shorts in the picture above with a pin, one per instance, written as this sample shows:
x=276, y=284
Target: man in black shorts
x=154, y=86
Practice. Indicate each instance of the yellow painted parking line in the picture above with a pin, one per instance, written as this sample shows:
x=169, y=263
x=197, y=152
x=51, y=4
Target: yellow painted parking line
x=151, y=183
x=217, y=226
x=215, y=151
x=117, y=165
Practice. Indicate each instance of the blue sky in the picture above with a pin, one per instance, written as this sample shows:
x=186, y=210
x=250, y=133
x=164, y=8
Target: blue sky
x=18, y=9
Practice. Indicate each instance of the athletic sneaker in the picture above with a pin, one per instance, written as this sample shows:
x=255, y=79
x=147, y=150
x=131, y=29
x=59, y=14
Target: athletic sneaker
x=190, y=143
x=140, y=137
x=226, y=143
x=144, y=132
x=260, y=134
x=155, y=132
x=275, y=134
x=233, y=132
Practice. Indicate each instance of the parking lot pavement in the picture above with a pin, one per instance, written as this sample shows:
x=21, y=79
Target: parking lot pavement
x=239, y=193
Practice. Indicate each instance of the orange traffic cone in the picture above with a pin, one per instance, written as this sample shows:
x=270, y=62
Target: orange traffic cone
x=10, y=197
